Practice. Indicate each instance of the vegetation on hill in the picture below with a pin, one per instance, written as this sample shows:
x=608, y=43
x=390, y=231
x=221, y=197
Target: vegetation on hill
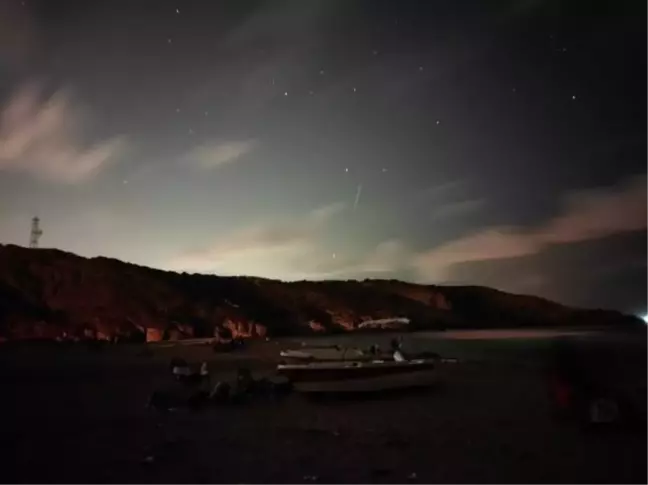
x=52, y=294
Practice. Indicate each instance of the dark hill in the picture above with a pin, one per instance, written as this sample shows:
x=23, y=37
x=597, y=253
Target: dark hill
x=49, y=294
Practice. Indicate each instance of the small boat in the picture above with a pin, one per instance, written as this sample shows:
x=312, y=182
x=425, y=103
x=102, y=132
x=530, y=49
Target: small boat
x=324, y=354
x=336, y=353
x=356, y=376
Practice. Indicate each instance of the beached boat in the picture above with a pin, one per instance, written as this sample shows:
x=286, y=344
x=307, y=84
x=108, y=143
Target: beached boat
x=356, y=376
x=324, y=354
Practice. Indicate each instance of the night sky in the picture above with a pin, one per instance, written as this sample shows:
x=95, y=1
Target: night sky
x=498, y=143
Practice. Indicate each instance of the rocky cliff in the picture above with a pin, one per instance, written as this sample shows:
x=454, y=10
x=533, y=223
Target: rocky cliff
x=51, y=294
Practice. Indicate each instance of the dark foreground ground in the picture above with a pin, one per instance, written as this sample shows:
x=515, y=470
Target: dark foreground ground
x=78, y=415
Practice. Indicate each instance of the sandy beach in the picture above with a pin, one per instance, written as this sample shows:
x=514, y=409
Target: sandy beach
x=77, y=415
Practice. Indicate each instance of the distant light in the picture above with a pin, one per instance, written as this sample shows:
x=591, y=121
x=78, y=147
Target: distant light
x=645, y=318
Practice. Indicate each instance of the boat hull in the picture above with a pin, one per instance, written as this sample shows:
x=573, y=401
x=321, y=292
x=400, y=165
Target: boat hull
x=360, y=377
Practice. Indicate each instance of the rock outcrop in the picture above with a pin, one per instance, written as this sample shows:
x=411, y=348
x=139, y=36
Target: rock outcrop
x=51, y=294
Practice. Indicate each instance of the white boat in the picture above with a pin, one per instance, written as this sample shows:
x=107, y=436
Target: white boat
x=323, y=354
x=355, y=376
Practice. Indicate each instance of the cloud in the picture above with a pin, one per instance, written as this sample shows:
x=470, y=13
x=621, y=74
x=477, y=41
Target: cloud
x=42, y=137
x=598, y=213
x=458, y=208
x=324, y=213
x=215, y=154
x=270, y=249
x=586, y=215
x=495, y=243
x=448, y=199
x=442, y=189
x=292, y=248
x=388, y=256
x=607, y=273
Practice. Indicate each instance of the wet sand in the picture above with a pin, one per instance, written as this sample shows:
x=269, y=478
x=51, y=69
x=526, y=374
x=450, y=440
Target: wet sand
x=80, y=416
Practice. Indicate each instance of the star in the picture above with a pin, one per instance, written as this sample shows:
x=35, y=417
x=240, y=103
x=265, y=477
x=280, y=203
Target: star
x=177, y=110
x=286, y=93
x=321, y=72
x=346, y=169
x=333, y=255
x=191, y=132
x=311, y=93
x=438, y=122
x=564, y=49
x=206, y=113
x=169, y=40
x=374, y=52
x=354, y=90
x=420, y=68
x=177, y=10
x=573, y=97
x=124, y=181
x=384, y=170
x=514, y=90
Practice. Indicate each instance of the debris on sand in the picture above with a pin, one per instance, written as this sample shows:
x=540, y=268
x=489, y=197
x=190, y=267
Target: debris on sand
x=220, y=393
x=188, y=375
x=193, y=394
